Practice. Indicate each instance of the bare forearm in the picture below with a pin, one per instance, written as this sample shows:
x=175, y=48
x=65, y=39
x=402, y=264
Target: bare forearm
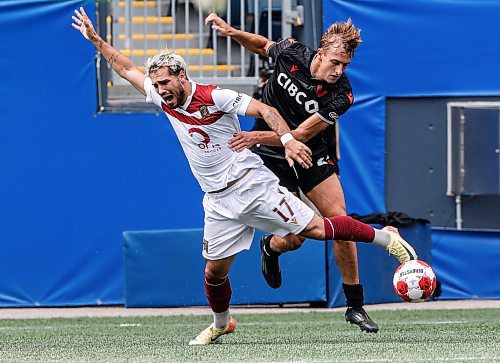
x=303, y=135
x=253, y=42
x=270, y=138
x=116, y=59
x=275, y=121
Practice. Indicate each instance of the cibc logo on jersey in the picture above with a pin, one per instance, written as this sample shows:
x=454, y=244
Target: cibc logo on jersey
x=310, y=106
x=202, y=139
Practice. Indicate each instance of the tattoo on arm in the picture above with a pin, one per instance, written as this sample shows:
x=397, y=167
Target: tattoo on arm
x=275, y=124
x=113, y=57
x=99, y=45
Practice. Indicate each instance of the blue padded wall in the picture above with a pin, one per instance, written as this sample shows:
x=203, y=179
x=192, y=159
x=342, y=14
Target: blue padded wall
x=467, y=263
x=165, y=268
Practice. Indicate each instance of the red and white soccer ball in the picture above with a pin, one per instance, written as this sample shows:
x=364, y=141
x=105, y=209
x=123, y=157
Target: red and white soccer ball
x=414, y=281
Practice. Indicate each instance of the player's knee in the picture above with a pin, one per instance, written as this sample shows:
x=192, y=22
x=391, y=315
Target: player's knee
x=214, y=272
x=315, y=230
x=338, y=210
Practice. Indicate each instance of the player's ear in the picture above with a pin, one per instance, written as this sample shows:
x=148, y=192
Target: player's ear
x=182, y=75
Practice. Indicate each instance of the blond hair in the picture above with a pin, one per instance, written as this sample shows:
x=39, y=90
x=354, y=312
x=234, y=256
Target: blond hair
x=166, y=58
x=343, y=34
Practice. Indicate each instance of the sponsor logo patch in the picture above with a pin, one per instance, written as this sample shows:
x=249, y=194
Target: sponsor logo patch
x=202, y=139
x=333, y=116
x=238, y=99
x=311, y=106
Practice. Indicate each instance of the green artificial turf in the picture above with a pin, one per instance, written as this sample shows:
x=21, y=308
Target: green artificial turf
x=405, y=336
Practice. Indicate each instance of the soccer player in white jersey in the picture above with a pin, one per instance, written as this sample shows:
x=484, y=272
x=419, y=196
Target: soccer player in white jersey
x=241, y=194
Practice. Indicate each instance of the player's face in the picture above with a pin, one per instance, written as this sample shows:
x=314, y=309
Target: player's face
x=332, y=63
x=170, y=87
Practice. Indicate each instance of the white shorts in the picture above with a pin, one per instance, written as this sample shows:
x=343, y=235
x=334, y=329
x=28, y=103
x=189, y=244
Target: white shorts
x=255, y=202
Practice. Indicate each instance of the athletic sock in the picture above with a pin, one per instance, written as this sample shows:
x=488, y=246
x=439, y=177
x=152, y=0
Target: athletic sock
x=346, y=228
x=382, y=238
x=218, y=291
x=221, y=319
x=353, y=295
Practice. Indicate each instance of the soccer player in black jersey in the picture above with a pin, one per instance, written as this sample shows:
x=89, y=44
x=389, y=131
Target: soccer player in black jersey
x=310, y=90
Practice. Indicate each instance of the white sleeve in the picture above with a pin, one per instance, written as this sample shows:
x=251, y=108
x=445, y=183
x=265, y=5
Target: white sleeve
x=151, y=95
x=230, y=101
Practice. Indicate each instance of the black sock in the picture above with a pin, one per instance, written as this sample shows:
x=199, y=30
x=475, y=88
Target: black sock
x=353, y=295
x=269, y=250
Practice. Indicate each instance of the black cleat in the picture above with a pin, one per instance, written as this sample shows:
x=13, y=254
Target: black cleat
x=270, y=264
x=359, y=317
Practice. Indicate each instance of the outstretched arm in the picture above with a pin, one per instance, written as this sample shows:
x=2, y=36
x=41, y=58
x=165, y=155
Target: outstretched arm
x=253, y=42
x=117, y=60
x=294, y=149
x=304, y=132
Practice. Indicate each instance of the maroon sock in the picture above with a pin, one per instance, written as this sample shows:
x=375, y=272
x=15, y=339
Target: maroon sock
x=218, y=293
x=345, y=228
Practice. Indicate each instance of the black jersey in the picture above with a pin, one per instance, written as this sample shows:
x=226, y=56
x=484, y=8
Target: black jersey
x=296, y=95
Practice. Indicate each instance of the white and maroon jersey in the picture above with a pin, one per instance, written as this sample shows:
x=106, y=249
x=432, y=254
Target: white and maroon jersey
x=204, y=124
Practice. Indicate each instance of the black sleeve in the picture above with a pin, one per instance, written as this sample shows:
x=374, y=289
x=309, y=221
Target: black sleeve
x=277, y=48
x=340, y=103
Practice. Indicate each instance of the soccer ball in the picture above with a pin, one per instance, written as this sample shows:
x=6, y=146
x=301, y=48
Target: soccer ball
x=414, y=281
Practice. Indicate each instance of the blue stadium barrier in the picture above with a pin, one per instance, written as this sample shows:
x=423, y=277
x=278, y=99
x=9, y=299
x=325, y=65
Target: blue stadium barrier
x=165, y=269
x=467, y=264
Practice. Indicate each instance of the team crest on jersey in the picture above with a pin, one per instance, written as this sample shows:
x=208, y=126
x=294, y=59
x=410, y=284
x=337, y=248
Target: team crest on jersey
x=204, y=111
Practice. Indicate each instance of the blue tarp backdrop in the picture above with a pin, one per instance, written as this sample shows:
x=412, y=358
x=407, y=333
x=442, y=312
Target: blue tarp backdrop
x=72, y=180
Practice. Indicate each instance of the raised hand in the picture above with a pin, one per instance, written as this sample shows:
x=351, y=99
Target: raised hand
x=218, y=24
x=82, y=23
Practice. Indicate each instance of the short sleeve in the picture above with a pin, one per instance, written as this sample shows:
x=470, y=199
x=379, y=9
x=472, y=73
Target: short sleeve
x=277, y=48
x=339, y=104
x=230, y=101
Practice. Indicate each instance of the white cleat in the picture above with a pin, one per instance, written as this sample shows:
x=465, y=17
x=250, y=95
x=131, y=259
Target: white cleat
x=398, y=247
x=211, y=334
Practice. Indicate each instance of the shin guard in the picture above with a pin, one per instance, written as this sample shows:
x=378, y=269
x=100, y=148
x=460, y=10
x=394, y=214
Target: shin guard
x=218, y=293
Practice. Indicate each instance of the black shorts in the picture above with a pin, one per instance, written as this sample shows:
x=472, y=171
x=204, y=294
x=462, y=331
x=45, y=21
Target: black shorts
x=305, y=179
